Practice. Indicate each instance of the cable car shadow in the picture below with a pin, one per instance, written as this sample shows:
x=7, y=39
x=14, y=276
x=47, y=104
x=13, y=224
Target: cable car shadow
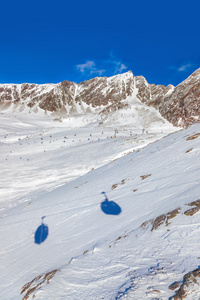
x=110, y=207
x=41, y=233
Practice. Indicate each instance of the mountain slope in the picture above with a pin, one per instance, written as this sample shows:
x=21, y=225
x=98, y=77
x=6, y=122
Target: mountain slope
x=49, y=152
x=182, y=105
x=179, y=105
x=103, y=204
x=88, y=254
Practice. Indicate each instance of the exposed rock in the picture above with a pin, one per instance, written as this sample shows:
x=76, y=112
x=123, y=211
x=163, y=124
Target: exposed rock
x=179, y=105
x=145, y=176
x=195, y=203
x=183, y=105
x=162, y=219
x=114, y=186
x=192, y=211
x=189, y=285
x=175, y=285
x=193, y=137
x=189, y=150
x=33, y=286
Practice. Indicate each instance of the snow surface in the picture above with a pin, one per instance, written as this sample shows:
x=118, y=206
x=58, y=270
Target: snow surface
x=59, y=170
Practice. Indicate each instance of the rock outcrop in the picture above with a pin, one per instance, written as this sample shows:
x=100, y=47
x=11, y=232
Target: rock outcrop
x=182, y=105
x=179, y=105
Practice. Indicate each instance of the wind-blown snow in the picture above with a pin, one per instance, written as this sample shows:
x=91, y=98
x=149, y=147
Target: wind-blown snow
x=59, y=170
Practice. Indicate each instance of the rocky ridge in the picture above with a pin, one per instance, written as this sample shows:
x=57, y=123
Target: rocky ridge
x=179, y=105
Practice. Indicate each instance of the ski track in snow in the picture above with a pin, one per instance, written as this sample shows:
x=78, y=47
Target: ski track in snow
x=59, y=171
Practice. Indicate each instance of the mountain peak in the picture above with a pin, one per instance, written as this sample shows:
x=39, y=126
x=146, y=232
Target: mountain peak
x=179, y=105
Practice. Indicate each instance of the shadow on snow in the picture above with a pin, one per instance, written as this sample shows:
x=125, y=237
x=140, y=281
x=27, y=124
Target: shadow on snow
x=110, y=207
x=41, y=233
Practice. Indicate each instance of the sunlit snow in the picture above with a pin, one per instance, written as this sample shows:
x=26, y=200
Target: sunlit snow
x=52, y=178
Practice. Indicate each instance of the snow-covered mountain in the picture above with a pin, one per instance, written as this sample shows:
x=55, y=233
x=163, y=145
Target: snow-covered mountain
x=100, y=199
x=101, y=95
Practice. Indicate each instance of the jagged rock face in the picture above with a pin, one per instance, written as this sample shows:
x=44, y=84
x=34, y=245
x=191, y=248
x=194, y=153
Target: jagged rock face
x=101, y=91
x=68, y=97
x=183, y=105
x=179, y=105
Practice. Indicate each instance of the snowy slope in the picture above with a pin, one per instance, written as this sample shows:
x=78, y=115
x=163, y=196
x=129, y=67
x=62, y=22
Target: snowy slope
x=39, y=153
x=59, y=171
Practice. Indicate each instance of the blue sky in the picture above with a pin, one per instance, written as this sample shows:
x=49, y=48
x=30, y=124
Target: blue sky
x=51, y=41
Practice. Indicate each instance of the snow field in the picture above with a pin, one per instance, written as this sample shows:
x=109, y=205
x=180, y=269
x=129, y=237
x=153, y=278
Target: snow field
x=98, y=256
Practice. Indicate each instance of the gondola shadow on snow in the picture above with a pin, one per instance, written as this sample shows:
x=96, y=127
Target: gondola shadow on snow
x=110, y=207
x=41, y=233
